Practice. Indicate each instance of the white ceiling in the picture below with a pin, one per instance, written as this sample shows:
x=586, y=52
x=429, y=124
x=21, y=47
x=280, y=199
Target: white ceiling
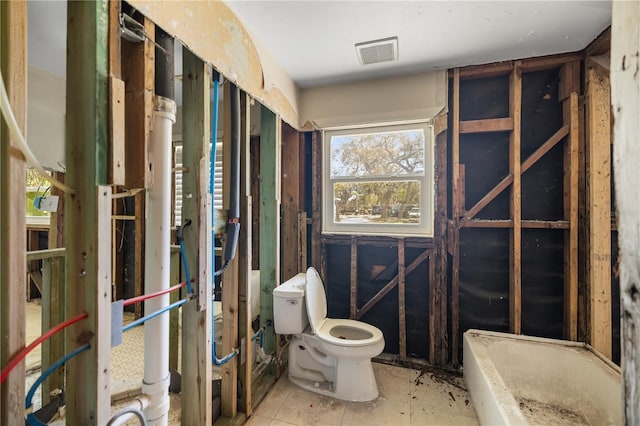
x=314, y=40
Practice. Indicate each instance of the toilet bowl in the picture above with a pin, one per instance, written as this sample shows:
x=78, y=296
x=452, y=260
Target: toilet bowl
x=327, y=356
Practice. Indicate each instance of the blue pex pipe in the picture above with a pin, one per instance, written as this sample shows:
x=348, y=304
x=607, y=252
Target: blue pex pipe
x=31, y=418
x=146, y=318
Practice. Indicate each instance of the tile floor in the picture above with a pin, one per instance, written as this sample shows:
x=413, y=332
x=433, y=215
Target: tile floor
x=407, y=397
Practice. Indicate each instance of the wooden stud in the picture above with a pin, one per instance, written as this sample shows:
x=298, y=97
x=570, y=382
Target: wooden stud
x=599, y=208
x=302, y=241
x=353, y=293
x=269, y=220
x=515, y=244
x=625, y=96
x=316, y=200
x=246, y=298
x=570, y=114
x=488, y=125
x=13, y=61
x=230, y=282
x=439, y=305
x=196, y=315
x=455, y=247
x=53, y=296
x=116, y=131
x=291, y=179
x=402, y=322
x=88, y=213
x=138, y=72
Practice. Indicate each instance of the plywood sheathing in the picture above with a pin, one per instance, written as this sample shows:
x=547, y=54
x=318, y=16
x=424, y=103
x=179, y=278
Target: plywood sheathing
x=212, y=31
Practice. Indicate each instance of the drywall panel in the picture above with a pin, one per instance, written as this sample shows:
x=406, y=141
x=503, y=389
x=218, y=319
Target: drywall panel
x=413, y=97
x=45, y=115
x=212, y=31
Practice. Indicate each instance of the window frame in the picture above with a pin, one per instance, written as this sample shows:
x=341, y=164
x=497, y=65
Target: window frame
x=424, y=228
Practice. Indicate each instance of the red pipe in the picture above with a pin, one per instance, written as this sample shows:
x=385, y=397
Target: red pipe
x=156, y=294
x=23, y=353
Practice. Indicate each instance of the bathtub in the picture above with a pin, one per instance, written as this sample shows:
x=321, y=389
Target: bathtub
x=521, y=380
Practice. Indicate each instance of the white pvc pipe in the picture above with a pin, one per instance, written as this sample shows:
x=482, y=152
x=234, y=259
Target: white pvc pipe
x=156, y=271
x=141, y=402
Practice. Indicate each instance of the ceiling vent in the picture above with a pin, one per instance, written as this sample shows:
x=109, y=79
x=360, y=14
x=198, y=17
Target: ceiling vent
x=376, y=51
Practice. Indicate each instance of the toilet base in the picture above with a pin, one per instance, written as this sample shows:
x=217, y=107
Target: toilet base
x=344, y=378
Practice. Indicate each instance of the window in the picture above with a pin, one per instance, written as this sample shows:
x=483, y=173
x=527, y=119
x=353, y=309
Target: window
x=379, y=180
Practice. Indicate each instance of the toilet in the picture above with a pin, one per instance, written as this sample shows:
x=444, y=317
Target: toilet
x=328, y=356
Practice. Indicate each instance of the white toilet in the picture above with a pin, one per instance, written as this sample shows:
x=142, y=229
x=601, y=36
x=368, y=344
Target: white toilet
x=329, y=356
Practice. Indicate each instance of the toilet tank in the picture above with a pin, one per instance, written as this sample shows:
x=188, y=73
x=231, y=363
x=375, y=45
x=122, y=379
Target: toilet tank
x=289, y=309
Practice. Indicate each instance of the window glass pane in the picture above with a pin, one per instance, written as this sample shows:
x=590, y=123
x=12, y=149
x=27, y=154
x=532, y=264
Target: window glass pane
x=394, y=153
x=396, y=202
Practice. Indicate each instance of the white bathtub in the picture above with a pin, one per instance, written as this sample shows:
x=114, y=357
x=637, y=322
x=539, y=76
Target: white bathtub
x=521, y=380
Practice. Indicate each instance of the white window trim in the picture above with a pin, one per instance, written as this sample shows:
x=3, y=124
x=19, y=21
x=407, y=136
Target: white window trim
x=424, y=228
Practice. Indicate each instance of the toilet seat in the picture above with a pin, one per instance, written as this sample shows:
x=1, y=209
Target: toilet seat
x=331, y=332
x=339, y=332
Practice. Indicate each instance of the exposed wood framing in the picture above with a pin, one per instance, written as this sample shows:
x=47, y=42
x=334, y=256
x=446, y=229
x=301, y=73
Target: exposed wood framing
x=116, y=100
x=402, y=322
x=515, y=233
x=598, y=107
x=229, y=392
x=316, y=201
x=570, y=75
x=455, y=231
x=269, y=220
x=302, y=241
x=489, y=125
x=353, y=275
x=291, y=196
x=88, y=213
x=508, y=180
x=53, y=296
x=196, y=315
x=625, y=96
x=391, y=284
x=246, y=298
x=13, y=61
x=174, y=326
x=438, y=283
x=138, y=72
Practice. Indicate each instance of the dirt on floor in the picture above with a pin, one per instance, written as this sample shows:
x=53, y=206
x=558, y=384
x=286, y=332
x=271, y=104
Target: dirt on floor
x=540, y=413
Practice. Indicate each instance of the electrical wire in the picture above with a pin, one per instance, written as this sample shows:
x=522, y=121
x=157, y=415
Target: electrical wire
x=136, y=411
x=23, y=353
x=144, y=297
x=146, y=318
x=7, y=112
x=31, y=418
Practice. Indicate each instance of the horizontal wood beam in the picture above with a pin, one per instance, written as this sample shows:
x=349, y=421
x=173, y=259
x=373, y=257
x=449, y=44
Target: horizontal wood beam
x=377, y=241
x=391, y=284
x=485, y=126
